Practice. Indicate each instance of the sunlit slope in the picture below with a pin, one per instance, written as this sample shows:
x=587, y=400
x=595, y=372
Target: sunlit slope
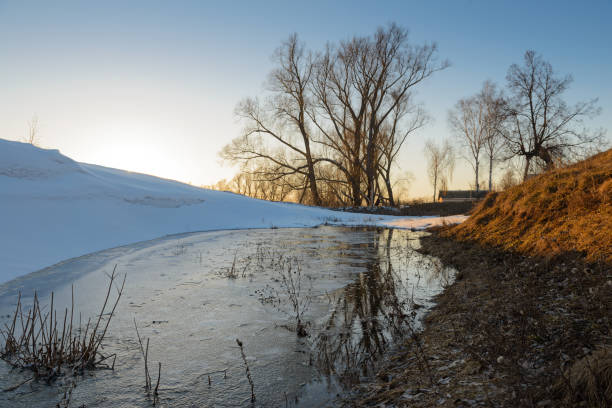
x=565, y=210
x=53, y=208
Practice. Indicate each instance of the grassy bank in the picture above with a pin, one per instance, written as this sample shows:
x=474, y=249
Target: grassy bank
x=528, y=321
x=512, y=331
x=564, y=210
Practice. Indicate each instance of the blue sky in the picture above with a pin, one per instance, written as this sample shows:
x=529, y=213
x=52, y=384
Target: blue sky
x=151, y=86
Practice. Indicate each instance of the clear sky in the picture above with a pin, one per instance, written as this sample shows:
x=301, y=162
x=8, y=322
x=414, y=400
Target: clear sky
x=151, y=86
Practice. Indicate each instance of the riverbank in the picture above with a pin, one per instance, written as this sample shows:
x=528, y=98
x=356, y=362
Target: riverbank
x=527, y=323
x=511, y=331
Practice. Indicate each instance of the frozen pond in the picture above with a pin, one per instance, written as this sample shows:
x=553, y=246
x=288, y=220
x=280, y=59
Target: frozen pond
x=194, y=295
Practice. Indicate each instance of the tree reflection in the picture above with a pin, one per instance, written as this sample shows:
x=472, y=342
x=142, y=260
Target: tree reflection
x=368, y=315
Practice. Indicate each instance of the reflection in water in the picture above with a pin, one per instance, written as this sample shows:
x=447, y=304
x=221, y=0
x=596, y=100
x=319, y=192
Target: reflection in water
x=376, y=310
x=359, y=291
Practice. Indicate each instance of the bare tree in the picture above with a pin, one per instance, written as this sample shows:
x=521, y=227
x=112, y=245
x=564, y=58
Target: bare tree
x=440, y=162
x=363, y=86
x=468, y=121
x=507, y=179
x=278, y=131
x=392, y=138
x=396, y=67
x=444, y=183
x=33, y=137
x=246, y=183
x=338, y=121
x=401, y=187
x=542, y=127
x=494, y=106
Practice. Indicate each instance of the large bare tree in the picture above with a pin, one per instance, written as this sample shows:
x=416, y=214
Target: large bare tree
x=277, y=130
x=360, y=85
x=542, y=127
x=339, y=119
x=340, y=114
x=396, y=67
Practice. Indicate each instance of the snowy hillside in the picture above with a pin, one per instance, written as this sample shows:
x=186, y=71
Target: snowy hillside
x=53, y=208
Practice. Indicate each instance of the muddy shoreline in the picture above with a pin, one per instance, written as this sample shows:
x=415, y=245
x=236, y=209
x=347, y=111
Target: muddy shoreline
x=512, y=331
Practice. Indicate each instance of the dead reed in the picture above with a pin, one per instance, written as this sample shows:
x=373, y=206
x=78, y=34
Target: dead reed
x=145, y=356
x=248, y=371
x=291, y=288
x=232, y=273
x=46, y=344
x=236, y=271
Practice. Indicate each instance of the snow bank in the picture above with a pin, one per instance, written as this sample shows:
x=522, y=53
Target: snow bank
x=53, y=208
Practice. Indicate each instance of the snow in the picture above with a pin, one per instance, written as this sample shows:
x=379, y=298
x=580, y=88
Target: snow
x=419, y=223
x=53, y=208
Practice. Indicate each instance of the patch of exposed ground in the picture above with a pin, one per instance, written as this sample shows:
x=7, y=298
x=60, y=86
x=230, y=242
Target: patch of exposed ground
x=512, y=331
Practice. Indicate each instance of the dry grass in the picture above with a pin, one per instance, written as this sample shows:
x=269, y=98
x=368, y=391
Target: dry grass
x=46, y=344
x=528, y=321
x=512, y=331
x=564, y=210
x=247, y=369
x=590, y=378
x=290, y=291
x=145, y=355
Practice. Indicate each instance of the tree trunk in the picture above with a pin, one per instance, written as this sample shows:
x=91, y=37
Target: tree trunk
x=370, y=170
x=544, y=154
x=390, y=192
x=312, y=180
x=477, y=181
x=356, y=170
x=378, y=194
x=526, y=171
x=303, y=193
x=435, y=185
x=490, y=174
x=356, y=189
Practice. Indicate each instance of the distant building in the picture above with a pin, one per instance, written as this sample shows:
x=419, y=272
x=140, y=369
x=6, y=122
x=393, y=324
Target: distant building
x=461, y=195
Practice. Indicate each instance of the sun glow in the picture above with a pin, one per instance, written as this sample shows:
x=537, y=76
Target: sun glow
x=135, y=148
x=154, y=147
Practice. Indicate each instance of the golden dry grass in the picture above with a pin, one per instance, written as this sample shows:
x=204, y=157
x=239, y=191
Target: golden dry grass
x=591, y=377
x=562, y=211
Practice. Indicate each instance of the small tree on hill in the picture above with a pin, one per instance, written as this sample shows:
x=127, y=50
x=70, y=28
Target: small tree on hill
x=33, y=136
x=541, y=126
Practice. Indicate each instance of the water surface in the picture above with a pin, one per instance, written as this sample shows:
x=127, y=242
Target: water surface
x=193, y=295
